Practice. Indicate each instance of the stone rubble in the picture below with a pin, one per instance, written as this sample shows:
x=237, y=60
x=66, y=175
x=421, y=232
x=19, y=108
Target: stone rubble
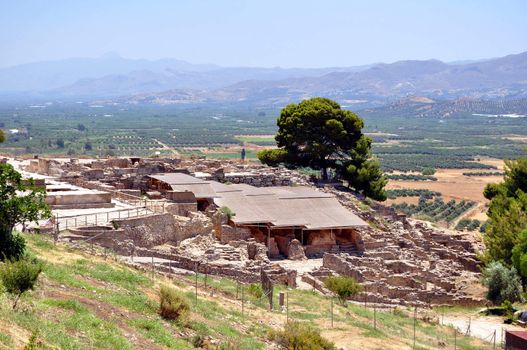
x=405, y=261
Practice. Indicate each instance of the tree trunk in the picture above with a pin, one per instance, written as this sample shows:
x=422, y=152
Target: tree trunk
x=324, y=173
x=16, y=300
x=6, y=237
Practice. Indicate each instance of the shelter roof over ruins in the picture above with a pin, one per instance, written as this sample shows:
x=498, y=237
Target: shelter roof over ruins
x=285, y=207
x=180, y=182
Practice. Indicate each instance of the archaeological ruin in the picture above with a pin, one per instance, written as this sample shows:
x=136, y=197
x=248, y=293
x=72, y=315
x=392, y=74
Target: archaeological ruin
x=231, y=219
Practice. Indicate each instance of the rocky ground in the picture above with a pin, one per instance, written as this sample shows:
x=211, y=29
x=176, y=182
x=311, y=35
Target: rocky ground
x=405, y=261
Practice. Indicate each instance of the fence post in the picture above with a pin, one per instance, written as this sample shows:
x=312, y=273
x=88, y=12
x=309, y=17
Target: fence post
x=107, y=216
x=374, y=317
x=153, y=268
x=75, y=221
x=455, y=338
x=415, y=321
x=331, y=312
x=494, y=340
x=95, y=219
x=196, y=272
x=206, y=275
x=287, y=306
x=243, y=300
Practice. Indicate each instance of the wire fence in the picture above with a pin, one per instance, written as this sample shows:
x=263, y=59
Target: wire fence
x=412, y=326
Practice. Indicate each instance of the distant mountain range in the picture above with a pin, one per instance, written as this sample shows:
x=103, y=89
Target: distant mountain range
x=112, y=78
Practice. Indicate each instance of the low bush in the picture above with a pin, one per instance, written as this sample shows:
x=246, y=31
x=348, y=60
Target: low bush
x=255, y=290
x=343, y=286
x=300, y=336
x=19, y=276
x=502, y=283
x=173, y=305
x=227, y=211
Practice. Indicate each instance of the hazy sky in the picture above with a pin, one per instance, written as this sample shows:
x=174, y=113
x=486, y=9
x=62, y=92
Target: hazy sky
x=286, y=33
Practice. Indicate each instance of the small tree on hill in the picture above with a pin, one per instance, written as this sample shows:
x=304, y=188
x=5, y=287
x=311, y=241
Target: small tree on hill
x=519, y=255
x=343, y=286
x=507, y=212
x=2, y=136
x=502, y=283
x=20, y=202
x=19, y=276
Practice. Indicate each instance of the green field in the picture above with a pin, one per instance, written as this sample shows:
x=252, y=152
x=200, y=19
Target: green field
x=402, y=143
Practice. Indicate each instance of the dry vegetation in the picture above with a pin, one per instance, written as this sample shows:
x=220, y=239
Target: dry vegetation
x=84, y=301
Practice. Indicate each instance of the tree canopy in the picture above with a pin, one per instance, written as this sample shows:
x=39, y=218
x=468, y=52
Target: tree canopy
x=20, y=202
x=319, y=134
x=507, y=212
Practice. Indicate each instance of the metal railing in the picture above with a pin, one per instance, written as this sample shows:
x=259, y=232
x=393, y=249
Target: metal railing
x=97, y=219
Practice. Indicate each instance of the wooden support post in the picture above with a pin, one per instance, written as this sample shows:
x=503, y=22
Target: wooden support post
x=196, y=284
x=287, y=306
x=268, y=241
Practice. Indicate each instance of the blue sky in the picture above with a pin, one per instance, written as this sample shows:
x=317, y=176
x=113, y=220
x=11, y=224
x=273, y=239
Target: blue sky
x=286, y=33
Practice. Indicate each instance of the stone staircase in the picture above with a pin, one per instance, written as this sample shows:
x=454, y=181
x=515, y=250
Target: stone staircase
x=350, y=249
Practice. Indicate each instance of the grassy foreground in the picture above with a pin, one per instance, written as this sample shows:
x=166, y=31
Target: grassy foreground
x=89, y=302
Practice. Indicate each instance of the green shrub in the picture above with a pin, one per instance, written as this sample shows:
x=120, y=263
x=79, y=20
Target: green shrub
x=301, y=336
x=272, y=157
x=33, y=343
x=173, y=305
x=428, y=171
x=509, y=310
x=227, y=211
x=502, y=283
x=13, y=247
x=343, y=286
x=198, y=341
x=255, y=290
x=19, y=276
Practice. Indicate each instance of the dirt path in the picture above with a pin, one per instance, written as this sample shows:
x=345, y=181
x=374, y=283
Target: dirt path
x=481, y=327
x=167, y=147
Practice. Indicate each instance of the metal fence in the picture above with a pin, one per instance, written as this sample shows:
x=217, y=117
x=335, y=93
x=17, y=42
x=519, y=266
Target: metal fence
x=96, y=219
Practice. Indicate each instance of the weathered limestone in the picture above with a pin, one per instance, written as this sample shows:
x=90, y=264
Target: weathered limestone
x=295, y=250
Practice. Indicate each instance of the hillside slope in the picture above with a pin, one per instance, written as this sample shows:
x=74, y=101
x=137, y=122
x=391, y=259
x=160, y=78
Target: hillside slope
x=95, y=302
